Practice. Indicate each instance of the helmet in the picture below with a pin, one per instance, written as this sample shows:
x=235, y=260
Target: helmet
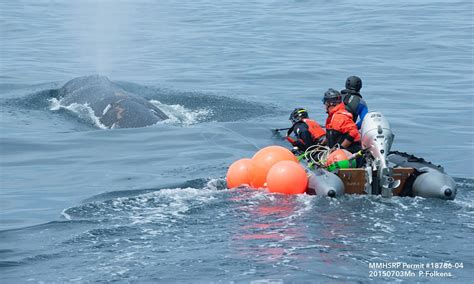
x=353, y=83
x=332, y=97
x=298, y=114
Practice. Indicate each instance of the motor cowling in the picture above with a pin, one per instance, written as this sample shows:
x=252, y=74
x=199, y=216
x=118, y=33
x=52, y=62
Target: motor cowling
x=377, y=138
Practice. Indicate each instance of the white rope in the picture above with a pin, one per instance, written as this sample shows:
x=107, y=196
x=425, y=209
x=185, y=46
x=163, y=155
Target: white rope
x=318, y=154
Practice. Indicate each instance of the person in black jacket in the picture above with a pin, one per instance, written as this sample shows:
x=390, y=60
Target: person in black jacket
x=353, y=100
x=307, y=132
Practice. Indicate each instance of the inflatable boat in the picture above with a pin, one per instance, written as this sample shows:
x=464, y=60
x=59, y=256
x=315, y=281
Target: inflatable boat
x=386, y=172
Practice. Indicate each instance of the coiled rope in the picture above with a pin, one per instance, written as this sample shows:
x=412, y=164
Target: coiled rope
x=318, y=154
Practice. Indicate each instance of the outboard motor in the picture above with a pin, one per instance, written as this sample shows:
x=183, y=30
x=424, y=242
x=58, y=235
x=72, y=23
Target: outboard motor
x=377, y=138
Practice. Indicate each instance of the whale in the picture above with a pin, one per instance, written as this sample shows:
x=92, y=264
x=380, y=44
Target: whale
x=111, y=104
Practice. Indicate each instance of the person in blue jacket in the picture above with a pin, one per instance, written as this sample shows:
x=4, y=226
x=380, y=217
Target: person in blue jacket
x=353, y=100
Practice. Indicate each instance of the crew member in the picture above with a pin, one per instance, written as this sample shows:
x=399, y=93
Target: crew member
x=340, y=127
x=307, y=131
x=353, y=100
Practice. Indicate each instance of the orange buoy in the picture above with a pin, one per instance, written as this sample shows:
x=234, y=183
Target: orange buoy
x=263, y=161
x=338, y=155
x=239, y=173
x=287, y=177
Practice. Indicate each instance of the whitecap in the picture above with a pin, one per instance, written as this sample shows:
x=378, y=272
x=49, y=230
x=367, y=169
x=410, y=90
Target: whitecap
x=181, y=115
x=83, y=111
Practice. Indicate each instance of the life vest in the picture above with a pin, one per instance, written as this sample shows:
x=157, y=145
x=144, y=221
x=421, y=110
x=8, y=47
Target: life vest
x=352, y=101
x=314, y=128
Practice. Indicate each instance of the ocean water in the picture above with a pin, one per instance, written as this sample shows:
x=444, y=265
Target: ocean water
x=84, y=204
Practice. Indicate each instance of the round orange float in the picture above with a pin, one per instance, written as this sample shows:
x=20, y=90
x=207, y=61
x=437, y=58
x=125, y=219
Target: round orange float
x=263, y=161
x=338, y=155
x=287, y=177
x=239, y=173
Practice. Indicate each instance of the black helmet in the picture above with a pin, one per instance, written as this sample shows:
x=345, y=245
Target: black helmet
x=298, y=114
x=332, y=97
x=353, y=83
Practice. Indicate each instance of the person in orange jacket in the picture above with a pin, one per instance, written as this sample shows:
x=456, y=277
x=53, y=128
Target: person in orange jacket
x=340, y=127
x=306, y=131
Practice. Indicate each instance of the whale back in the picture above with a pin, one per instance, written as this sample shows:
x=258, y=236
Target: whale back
x=115, y=107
